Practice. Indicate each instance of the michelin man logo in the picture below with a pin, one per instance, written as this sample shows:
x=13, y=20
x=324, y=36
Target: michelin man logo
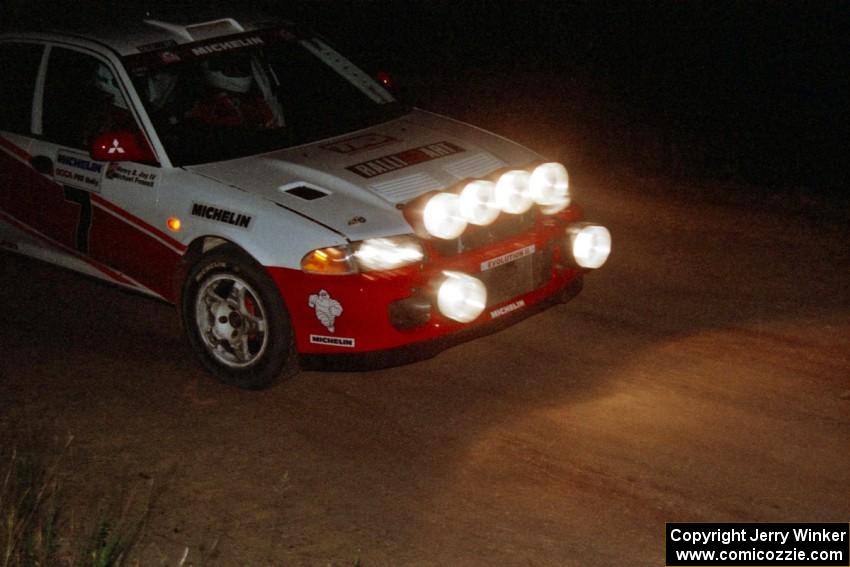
x=327, y=308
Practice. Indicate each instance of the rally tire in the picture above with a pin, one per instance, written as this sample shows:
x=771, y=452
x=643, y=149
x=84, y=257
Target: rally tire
x=236, y=321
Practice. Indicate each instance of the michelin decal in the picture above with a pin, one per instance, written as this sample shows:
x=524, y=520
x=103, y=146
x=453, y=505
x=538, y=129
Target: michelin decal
x=332, y=341
x=509, y=308
x=77, y=170
x=327, y=309
x=210, y=212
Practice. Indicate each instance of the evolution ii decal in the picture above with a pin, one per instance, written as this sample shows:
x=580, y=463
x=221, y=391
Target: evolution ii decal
x=507, y=258
x=392, y=162
x=209, y=212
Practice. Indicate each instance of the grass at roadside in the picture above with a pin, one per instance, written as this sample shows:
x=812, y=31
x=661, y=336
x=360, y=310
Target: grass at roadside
x=37, y=527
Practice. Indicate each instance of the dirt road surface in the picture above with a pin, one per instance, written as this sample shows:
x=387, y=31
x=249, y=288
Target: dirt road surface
x=703, y=375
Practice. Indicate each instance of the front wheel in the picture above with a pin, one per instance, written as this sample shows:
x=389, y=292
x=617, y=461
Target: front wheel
x=236, y=321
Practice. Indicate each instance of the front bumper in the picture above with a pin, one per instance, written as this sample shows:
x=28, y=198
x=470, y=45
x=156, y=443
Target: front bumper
x=396, y=310
x=413, y=352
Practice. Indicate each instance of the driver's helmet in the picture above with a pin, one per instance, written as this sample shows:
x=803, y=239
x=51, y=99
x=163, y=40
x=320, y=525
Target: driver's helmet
x=105, y=81
x=161, y=85
x=230, y=72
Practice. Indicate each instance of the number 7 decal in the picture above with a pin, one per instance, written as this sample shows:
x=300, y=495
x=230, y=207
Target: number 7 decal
x=83, y=199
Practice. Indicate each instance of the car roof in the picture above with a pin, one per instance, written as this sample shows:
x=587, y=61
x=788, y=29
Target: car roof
x=133, y=31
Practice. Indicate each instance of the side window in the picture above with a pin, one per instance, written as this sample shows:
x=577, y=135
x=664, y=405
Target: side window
x=19, y=66
x=81, y=100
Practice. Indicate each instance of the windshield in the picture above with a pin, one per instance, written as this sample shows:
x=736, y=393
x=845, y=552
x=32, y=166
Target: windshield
x=252, y=93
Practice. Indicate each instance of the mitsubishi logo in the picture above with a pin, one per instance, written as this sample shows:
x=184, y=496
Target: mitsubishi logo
x=116, y=147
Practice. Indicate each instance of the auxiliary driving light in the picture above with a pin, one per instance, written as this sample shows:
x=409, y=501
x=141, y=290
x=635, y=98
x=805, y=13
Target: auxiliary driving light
x=461, y=297
x=478, y=202
x=513, y=193
x=549, y=187
x=590, y=243
x=442, y=216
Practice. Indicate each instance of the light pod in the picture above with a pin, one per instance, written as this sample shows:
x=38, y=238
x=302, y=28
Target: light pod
x=513, y=193
x=478, y=202
x=442, y=217
x=549, y=187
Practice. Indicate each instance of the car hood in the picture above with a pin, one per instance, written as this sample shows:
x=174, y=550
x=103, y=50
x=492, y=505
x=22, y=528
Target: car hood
x=354, y=184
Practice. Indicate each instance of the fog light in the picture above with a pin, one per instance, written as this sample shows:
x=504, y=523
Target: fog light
x=461, y=297
x=590, y=244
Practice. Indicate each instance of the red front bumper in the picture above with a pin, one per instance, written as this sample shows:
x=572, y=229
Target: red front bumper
x=351, y=314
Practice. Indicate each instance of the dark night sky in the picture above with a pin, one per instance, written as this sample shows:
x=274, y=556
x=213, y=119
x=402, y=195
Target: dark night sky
x=756, y=91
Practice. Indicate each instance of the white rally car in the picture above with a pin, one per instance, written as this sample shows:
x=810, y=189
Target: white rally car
x=285, y=201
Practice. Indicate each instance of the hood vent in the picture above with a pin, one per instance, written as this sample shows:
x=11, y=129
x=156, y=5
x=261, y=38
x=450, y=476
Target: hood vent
x=406, y=188
x=476, y=165
x=306, y=193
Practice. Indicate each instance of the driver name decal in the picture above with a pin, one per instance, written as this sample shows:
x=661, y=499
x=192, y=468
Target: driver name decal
x=407, y=158
x=131, y=175
x=209, y=212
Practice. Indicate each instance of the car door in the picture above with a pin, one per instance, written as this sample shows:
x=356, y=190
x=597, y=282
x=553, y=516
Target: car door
x=100, y=211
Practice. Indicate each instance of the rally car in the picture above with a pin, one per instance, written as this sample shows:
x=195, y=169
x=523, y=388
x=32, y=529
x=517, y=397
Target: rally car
x=286, y=202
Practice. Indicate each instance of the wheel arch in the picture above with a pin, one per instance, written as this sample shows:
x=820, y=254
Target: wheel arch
x=196, y=250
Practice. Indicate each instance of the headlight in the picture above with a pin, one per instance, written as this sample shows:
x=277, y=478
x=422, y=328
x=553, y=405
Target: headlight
x=478, y=202
x=549, y=187
x=590, y=244
x=442, y=216
x=461, y=297
x=368, y=255
x=388, y=253
x=512, y=192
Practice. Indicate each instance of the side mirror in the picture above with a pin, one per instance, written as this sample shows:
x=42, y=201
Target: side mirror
x=122, y=146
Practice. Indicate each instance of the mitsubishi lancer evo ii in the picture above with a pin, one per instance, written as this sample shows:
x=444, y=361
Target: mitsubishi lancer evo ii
x=283, y=199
